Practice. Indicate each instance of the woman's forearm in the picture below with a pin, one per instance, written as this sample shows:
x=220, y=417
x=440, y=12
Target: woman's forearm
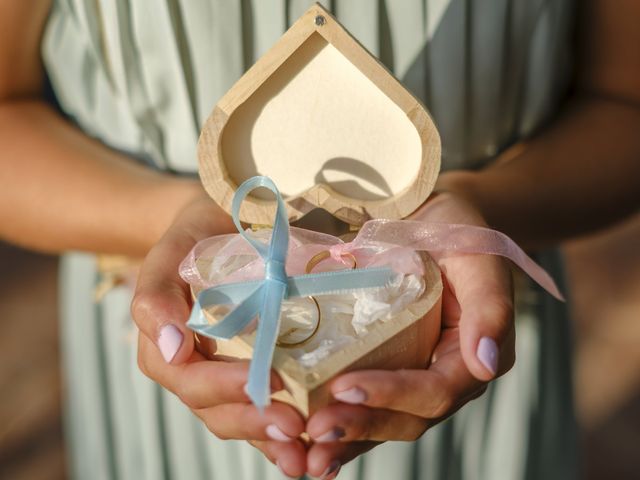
x=579, y=174
x=62, y=190
x=59, y=189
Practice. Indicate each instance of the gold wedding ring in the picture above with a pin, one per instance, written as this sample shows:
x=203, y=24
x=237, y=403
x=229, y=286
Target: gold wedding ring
x=322, y=256
x=299, y=343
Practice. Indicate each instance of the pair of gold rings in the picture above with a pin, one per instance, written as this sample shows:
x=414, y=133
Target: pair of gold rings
x=311, y=264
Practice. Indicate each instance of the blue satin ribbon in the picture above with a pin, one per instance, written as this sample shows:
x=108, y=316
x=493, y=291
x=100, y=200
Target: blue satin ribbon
x=264, y=297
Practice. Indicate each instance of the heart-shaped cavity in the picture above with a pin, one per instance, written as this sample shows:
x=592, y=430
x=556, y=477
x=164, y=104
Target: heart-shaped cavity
x=329, y=124
x=318, y=119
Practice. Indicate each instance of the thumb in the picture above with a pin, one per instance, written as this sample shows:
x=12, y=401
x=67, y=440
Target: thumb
x=162, y=300
x=483, y=288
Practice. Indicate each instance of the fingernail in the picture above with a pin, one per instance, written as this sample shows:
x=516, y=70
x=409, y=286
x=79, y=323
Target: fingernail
x=332, y=471
x=354, y=396
x=282, y=471
x=488, y=354
x=336, y=433
x=274, y=433
x=169, y=341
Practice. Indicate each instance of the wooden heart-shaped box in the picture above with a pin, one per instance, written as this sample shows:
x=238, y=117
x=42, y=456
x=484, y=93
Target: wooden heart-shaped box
x=336, y=131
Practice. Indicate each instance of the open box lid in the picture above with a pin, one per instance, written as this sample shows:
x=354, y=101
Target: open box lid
x=328, y=123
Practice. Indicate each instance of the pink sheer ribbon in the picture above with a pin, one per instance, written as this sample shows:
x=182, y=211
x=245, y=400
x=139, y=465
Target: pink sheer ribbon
x=379, y=242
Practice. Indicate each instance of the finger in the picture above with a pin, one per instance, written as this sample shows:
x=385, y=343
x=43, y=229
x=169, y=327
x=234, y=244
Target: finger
x=201, y=383
x=242, y=421
x=431, y=393
x=324, y=460
x=291, y=458
x=483, y=289
x=349, y=423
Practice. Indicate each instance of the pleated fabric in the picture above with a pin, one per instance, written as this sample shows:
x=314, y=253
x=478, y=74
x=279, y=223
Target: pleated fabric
x=143, y=75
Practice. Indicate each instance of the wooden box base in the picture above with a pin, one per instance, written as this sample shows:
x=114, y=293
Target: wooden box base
x=406, y=341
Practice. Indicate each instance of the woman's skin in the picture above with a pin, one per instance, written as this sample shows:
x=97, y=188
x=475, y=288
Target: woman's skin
x=62, y=190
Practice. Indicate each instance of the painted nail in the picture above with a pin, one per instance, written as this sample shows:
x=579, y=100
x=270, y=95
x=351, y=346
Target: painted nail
x=169, y=341
x=274, y=433
x=353, y=396
x=282, y=471
x=332, y=471
x=488, y=354
x=336, y=433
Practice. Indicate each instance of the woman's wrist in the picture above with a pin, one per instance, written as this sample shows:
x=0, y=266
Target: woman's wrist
x=461, y=183
x=165, y=199
x=502, y=195
x=449, y=203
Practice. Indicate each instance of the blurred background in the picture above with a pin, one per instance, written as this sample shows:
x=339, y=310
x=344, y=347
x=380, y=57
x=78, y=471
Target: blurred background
x=603, y=272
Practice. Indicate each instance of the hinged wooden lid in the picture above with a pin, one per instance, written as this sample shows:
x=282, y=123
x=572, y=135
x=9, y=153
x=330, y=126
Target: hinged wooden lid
x=328, y=123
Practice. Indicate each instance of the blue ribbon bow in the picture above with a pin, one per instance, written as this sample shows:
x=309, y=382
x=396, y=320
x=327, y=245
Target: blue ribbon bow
x=264, y=297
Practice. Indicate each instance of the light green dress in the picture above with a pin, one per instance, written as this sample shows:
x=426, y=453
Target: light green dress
x=142, y=76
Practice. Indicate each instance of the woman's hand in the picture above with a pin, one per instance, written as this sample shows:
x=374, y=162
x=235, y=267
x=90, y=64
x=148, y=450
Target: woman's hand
x=477, y=344
x=213, y=390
